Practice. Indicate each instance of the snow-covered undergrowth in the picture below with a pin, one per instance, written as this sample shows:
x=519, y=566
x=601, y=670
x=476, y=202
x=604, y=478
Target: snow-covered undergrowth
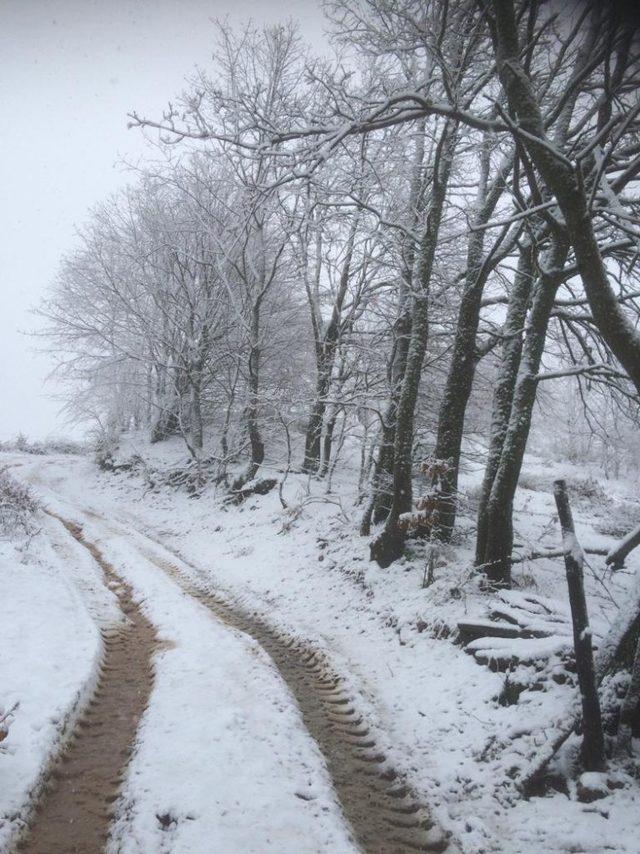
x=18, y=508
x=461, y=731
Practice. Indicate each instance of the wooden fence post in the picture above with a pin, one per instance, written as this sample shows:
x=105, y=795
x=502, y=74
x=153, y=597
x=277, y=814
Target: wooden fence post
x=593, y=755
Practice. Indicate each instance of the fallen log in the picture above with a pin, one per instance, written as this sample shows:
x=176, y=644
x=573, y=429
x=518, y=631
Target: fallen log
x=501, y=654
x=473, y=630
x=531, y=623
x=515, y=615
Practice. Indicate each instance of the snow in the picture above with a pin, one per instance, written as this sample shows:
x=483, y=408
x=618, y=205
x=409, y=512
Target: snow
x=623, y=619
x=595, y=780
x=435, y=710
x=50, y=653
x=249, y=778
x=222, y=756
x=523, y=648
x=572, y=547
x=559, y=824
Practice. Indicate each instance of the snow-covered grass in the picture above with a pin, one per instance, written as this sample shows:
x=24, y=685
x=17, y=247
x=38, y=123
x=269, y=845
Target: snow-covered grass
x=50, y=653
x=18, y=507
x=308, y=571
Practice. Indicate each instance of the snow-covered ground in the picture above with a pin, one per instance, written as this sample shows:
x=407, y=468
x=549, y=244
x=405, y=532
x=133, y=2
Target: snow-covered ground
x=222, y=761
x=307, y=570
x=52, y=604
x=222, y=754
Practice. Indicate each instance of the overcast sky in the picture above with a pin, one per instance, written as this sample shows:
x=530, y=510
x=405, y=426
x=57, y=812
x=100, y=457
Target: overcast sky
x=70, y=71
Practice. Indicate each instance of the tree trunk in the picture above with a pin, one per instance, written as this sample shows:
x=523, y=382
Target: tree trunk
x=496, y=559
x=165, y=422
x=255, y=437
x=224, y=435
x=389, y=545
x=326, y=347
x=382, y=484
x=251, y=412
x=196, y=416
x=383, y=478
x=330, y=468
x=630, y=711
x=327, y=441
x=313, y=435
x=505, y=385
x=462, y=367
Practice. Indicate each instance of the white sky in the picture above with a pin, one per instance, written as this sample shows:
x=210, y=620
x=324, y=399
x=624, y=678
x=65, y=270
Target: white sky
x=70, y=70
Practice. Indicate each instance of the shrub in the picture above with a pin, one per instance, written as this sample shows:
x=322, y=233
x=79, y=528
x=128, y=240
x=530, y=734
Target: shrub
x=588, y=490
x=18, y=506
x=534, y=482
x=105, y=444
x=49, y=446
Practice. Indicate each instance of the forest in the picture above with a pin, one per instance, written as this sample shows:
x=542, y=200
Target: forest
x=368, y=247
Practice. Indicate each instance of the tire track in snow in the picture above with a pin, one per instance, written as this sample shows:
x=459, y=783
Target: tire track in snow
x=383, y=812
x=74, y=811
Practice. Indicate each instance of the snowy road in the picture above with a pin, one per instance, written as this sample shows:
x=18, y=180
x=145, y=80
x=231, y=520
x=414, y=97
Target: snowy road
x=249, y=742
x=75, y=813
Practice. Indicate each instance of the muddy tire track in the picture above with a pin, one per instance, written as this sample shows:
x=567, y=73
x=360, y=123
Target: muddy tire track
x=76, y=806
x=384, y=814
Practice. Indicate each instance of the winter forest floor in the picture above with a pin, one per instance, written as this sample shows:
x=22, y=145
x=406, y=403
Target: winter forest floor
x=243, y=679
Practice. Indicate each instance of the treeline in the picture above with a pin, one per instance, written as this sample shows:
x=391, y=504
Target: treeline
x=394, y=248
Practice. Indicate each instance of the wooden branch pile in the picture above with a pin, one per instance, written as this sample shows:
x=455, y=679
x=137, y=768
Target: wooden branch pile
x=521, y=628
x=192, y=475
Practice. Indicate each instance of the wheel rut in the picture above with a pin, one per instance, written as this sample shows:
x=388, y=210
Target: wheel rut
x=383, y=812
x=75, y=808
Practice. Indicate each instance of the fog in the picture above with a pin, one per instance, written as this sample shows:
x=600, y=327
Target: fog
x=71, y=71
